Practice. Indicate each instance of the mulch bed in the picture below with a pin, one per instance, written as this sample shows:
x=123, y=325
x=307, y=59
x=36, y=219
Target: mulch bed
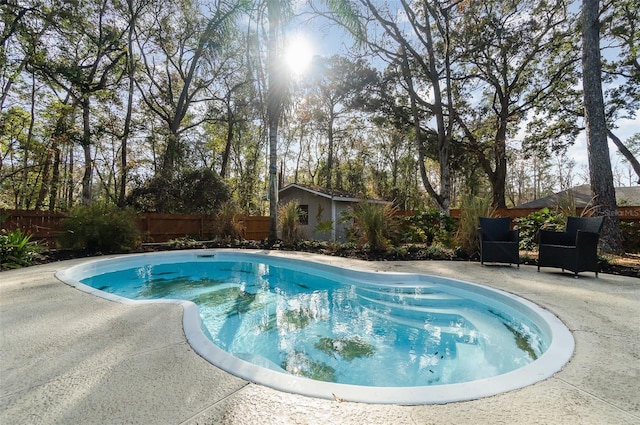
x=627, y=265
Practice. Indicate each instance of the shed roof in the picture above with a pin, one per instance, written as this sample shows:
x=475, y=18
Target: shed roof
x=334, y=194
x=625, y=196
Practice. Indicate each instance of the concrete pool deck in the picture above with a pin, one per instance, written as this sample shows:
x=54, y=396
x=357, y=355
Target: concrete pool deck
x=68, y=357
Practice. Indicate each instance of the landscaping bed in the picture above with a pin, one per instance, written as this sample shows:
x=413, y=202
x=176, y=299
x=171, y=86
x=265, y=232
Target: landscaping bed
x=627, y=265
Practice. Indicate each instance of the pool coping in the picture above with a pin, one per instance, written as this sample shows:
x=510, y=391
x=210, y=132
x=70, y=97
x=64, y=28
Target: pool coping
x=553, y=359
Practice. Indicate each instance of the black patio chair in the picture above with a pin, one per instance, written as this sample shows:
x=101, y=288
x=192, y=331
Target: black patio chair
x=498, y=243
x=575, y=249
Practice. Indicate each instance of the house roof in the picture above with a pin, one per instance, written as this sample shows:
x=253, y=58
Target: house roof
x=334, y=194
x=625, y=196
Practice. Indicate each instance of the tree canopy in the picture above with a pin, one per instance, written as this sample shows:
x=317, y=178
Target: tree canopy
x=429, y=101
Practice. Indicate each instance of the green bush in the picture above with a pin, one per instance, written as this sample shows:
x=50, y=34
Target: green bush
x=228, y=225
x=430, y=227
x=289, y=220
x=185, y=242
x=531, y=224
x=100, y=228
x=17, y=249
x=471, y=209
x=193, y=191
x=374, y=225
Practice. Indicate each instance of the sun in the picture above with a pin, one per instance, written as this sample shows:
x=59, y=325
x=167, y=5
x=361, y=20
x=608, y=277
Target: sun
x=298, y=54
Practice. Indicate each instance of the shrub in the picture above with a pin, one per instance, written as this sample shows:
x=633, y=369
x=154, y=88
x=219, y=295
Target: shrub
x=430, y=227
x=289, y=218
x=531, y=224
x=100, y=228
x=17, y=249
x=323, y=227
x=195, y=191
x=227, y=225
x=471, y=209
x=185, y=242
x=374, y=225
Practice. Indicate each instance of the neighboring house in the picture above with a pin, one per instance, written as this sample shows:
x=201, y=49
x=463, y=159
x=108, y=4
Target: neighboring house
x=321, y=206
x=581, y=195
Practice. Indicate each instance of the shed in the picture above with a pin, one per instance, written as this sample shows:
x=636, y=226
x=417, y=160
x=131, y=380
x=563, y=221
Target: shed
x=322, y=206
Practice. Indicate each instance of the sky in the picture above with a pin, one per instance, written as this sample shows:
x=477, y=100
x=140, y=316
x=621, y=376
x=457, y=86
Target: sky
x=578, y=152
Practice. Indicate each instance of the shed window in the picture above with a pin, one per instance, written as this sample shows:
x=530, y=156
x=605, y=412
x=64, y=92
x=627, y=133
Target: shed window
x=303, y=214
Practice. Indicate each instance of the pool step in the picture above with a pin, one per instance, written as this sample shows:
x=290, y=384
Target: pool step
x=443, y=320
x=421, y=304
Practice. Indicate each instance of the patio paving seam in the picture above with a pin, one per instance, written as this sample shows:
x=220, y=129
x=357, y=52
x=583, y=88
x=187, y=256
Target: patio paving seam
x=598, y=333
x=214, y=404
x=608, y=403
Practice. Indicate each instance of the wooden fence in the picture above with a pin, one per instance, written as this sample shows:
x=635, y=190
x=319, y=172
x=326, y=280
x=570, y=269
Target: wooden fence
x=158, y=227
x=163, y=227
x=154, y=227
x=42, y=225
x=624, y=213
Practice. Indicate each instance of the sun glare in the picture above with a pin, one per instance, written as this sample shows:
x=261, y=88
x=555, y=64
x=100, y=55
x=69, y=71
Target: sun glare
x=298, y=55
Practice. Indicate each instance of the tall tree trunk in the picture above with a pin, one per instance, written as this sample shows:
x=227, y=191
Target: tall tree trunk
x=86, y=147
x=299, y=157
x=174, y=147
x=438, y=110
x=273, y=181
x=418, y=136
x=55, y=180
x=44, y=184
x=330, y=153
x=69, y=179
x=600, y=174
x=499, y=176
x=25, y=174
x=229, y=141
x=275, y=96
x=170, y=155
x=124, y=168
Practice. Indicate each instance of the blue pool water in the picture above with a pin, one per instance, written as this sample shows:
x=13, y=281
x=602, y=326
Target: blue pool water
x=336, y=326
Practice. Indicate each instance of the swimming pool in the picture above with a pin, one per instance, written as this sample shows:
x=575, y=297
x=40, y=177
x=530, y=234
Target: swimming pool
x=431, y=321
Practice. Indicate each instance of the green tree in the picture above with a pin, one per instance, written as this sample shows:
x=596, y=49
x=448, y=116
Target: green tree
x=179, y=54
x=560, y=119
x=58, y=127
x=85, y=56
x=14, y=155
x=194, y=191
x=336, y=84
x=131, y=10
x=516, y=54
x=416, y=45
x=620, y=28
x=24, y=23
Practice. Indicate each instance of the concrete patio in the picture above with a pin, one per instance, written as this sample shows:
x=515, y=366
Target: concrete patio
x=67, y=357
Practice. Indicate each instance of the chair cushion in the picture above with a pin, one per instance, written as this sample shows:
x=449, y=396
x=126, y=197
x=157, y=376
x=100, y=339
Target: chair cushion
x=495, y=229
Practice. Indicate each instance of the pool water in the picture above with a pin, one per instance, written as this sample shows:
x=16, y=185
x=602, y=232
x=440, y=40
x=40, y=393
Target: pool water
x=389, y=330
